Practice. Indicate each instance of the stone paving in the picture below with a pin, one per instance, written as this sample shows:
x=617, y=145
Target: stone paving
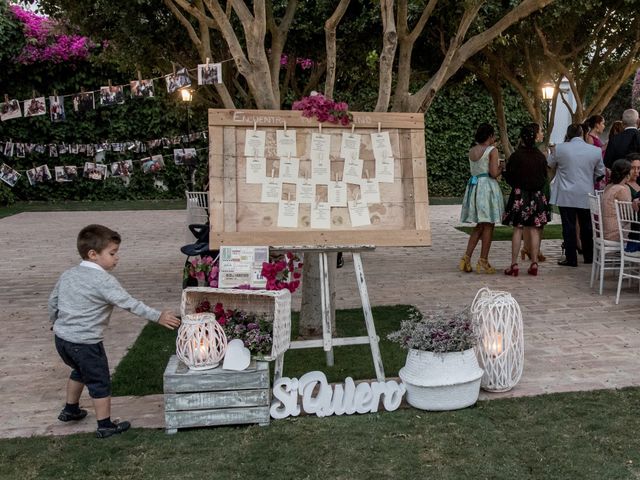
x=575, y=339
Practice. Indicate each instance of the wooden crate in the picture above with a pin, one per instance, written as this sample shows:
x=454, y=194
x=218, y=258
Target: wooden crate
x=215, y=397
x=275, y=305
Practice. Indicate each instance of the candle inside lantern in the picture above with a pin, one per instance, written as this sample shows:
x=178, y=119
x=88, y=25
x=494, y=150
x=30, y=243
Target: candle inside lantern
x=493, y=344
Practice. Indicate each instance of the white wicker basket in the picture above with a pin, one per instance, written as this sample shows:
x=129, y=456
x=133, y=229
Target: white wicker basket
x=201, y=342
x=441, y=381
x=275, y=305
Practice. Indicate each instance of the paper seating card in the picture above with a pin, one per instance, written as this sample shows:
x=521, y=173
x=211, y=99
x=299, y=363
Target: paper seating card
x=271, y=190
x=256, y=169
x=350, y=146
x=359, y=213
x=320, y=158
x=286, y=144
x=254, y=143
x=288, y=214
x=337, y=194
x=370, y=191
x=305, y=191
x=352, y=172
x=383, y=154
x=289, y=168
x=321, y=215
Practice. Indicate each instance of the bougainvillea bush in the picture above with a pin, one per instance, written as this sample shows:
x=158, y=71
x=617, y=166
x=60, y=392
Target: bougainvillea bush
x=44, y=41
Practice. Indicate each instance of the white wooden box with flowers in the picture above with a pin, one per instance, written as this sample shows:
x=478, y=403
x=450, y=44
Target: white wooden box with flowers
x=261, y=318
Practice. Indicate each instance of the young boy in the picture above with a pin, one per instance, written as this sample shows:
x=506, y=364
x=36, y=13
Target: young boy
x=80, y=307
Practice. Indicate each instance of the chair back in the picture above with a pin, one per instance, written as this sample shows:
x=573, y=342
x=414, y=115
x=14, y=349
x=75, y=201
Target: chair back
x=595, y=209
x=628, y=226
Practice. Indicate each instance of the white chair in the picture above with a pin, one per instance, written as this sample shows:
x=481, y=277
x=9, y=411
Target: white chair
x=601, y=247
x=197, y=210
x=629, y=228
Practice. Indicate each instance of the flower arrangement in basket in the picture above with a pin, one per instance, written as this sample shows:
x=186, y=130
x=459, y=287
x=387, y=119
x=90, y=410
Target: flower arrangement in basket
x=255, y=331
x=324, y=109
x=283, y=271
x=439, y=332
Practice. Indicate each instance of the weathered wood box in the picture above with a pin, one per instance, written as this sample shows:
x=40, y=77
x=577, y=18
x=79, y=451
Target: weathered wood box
x=215, y=397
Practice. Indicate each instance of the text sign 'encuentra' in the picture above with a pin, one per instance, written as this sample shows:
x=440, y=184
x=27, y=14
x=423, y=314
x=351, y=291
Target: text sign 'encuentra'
x=336, y=400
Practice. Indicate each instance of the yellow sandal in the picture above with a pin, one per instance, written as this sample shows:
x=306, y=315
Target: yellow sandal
x=483, y=266
x=465, y=264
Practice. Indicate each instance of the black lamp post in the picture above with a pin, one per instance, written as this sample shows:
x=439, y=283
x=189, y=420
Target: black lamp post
x=187, y=97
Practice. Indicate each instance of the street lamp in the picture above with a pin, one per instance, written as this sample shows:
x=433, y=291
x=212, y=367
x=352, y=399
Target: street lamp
x=548, y=91
x=187, y=96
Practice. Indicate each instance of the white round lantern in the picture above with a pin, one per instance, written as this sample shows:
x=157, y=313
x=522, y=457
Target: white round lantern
x=498, y=323
x=201, y=341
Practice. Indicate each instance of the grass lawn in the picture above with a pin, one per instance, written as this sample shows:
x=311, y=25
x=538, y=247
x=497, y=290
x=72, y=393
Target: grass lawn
x=71, y=206
x=140, y=371
x=502, y=233
x=591, y=435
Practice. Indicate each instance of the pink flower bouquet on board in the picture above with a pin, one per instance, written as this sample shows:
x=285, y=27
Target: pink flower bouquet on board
x=324, y=109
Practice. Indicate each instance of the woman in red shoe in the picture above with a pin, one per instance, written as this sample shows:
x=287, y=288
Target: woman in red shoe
x=528, y=207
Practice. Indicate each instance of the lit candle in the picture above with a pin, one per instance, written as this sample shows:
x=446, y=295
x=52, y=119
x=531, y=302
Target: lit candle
x=493, y=344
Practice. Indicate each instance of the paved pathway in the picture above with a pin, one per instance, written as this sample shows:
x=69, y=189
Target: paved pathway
x=575, y=339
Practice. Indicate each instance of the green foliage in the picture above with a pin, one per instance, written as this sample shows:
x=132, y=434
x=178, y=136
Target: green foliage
x=451, y=123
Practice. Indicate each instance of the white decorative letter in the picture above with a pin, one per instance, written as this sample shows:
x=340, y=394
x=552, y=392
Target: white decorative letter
x=286, y=391
x=393, y=395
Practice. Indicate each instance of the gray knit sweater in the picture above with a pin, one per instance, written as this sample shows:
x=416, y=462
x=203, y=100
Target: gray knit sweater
x=81, y=303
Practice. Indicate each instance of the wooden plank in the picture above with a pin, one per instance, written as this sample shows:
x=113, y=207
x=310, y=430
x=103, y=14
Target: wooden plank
x=178, y=378
x=221, y=416
x=220, y=399
x=230, y=208
x=336, y=342
x=216, y=179
x=381, y=238
x=420, y=181
x=276, y=118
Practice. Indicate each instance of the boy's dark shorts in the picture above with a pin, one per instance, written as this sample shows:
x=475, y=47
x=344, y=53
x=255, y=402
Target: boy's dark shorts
x=89, y=365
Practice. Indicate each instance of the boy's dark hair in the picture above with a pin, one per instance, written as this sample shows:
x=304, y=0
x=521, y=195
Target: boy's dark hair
x=96, y=237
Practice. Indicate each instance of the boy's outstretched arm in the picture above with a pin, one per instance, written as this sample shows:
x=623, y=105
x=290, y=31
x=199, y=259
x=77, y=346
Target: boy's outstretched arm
x=169, y=320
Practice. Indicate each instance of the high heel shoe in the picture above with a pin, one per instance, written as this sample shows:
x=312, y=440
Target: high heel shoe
x=512, y=270
x=541, y=257
x=483, y=266
x=465, y=264
x=533, y=269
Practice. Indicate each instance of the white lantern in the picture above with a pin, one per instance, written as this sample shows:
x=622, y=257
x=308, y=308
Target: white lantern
x=201, y=341
x=498, y=322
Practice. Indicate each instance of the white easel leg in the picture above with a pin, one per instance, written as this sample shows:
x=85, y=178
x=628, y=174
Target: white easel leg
x=325, y=300
x=278, y=367
x=368, y=317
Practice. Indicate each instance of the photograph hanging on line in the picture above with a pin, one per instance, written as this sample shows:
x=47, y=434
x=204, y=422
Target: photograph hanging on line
x=34, y=107
x=8, y=149
x=209, y=73
x=83, y=102
x=8, y=175
x=20, y=150
x=141, y=88
x=111, y=95
x=177, y=80
x=185, y=156
x=53, y=150
x=152, y=164
x=56, y=108
x=95, y=171
x=122, y=168
x=38, y=175
x=66, y=173
x=9, y=110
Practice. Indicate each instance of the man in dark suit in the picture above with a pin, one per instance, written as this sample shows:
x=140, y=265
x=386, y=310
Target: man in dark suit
x=626, y=142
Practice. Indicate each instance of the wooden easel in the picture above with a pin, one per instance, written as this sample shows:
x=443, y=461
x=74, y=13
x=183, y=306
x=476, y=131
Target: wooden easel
x=328, y=341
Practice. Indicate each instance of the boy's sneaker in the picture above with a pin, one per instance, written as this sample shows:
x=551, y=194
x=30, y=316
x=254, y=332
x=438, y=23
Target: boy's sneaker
x=67, y=416
x=120, y=427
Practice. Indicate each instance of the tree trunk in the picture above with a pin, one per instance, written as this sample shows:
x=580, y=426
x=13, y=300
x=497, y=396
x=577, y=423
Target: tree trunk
x=389, y=45
x=330, y=27
x=311, y=307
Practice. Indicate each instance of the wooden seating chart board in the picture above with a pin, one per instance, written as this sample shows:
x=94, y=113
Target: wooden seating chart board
x=239, y=217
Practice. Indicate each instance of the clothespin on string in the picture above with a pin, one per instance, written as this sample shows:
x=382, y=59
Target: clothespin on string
x=379, y=127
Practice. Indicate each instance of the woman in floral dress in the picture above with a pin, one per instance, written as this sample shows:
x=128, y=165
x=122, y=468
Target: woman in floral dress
x=483, y=203
x=528, y=207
